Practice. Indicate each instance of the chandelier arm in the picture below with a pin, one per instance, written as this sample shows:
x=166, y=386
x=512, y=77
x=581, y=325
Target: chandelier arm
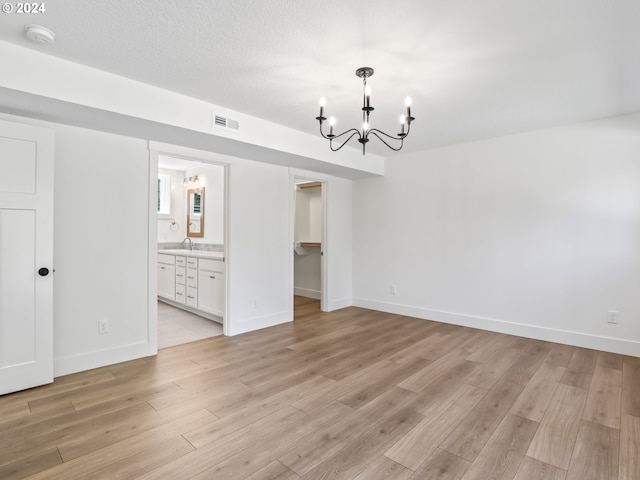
x=339, y=135
x=387, y=135
x=382, y=139
x=356, y=132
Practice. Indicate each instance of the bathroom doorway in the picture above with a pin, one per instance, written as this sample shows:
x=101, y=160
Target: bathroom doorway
x=191, y=250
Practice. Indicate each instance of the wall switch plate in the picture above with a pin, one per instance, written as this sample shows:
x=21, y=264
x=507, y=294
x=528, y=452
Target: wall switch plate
x=255, y=303
x=393, y=289
x=103, y=326
x=612, y=316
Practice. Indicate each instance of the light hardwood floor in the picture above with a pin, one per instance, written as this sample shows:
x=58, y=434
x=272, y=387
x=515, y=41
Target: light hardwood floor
x=353, y=394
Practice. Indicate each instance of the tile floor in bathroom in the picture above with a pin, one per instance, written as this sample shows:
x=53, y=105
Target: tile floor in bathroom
x=177, y=326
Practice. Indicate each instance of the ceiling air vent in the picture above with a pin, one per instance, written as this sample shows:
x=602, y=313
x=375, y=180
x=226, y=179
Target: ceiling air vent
x=224, y=122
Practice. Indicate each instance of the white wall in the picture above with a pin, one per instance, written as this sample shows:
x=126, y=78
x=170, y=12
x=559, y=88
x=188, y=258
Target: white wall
x=100, y=247
x=536, y=234
x=178, y=210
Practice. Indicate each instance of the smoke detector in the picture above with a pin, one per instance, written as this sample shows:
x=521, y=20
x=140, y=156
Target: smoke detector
x=39, y=34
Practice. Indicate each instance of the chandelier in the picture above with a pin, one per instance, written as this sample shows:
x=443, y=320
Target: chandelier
x=363, y=134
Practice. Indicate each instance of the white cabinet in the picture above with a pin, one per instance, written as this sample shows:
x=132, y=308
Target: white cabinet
x=195, y=284
x=166, y=277
x=211, y=289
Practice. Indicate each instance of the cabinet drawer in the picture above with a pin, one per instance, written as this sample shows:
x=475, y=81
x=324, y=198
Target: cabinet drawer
x=166, y=259
x=192, y=262
x=181, y=261
x=180, y=294
x=181, y=275
x=211, y=265
x=192, y=297
x=192, y=277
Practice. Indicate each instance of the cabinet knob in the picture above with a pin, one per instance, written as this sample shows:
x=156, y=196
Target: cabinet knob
x=43, y=272
x=212, y=276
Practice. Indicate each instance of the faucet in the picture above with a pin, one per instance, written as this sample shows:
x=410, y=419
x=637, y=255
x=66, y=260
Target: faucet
x=190, y=243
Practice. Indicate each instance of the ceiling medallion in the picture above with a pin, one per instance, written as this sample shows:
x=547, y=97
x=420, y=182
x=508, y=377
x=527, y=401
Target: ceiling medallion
x=363, y=134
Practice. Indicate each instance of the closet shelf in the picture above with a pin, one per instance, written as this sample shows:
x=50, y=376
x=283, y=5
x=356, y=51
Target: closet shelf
x=311, y=244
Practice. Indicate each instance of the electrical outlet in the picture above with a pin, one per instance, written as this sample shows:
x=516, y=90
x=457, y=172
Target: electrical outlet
x=103, y=326
x=393, y=289
x=612, y=316
x=255, y=303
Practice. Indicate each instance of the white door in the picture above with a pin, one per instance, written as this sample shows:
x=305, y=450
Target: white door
x=26, y=256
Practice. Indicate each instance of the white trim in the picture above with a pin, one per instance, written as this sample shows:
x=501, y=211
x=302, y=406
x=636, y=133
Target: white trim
x=578, y=339
x=100, y=358
x=338, y=304
x=306, y=292
x=152, y=259
x=257, y=323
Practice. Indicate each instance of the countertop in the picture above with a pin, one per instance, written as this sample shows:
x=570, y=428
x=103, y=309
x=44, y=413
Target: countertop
x=194, y=253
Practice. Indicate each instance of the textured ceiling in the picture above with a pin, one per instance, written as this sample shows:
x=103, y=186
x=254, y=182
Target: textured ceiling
x=475, y=69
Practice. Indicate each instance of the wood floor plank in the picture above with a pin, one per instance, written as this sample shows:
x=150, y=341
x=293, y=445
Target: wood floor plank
x=555, y=439
x=631, y=386
x=31, y=465
x=357, y=456
x=441, y=387
x=274, y=471
x=420, y=443
x=252, y=459
x=610, y=360
x=528, y=363
x=442, y=465
x=596, y=453
x=486, y=375
x=471, y=434
x=580, y=368
x=534, y=399
x=81, y=467
x=419, y=380
x=380, y=383
x=325, y=442
x=630, y=448
x=381, y=468
x=560, y=355
x=511, y=439
x=531, y=469
x=603, y=400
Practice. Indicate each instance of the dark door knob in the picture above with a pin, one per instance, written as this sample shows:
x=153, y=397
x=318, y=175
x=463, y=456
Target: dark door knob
x=43, y=272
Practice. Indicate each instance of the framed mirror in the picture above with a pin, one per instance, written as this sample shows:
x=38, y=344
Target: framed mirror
x=195, y=212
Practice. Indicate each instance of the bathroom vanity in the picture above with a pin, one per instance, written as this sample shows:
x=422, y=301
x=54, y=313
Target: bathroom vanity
x=193, y=280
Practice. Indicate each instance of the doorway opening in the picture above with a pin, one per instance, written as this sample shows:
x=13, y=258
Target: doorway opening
x=191, y=250
x=309, y=240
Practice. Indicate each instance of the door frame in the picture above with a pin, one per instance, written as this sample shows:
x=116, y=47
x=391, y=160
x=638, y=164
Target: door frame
x=293, y=175
x=155, y=150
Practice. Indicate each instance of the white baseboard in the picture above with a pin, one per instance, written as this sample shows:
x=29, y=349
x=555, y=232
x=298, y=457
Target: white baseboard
x=578, y=339
x=338, y=304
x=256, y=323
x=306, y=292
x=100, y=358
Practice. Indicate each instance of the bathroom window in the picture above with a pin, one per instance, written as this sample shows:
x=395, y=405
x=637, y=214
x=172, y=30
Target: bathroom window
x=164, y=194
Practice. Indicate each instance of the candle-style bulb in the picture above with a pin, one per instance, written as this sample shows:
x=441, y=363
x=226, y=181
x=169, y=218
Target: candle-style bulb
x=367, y=90
x=403, y=119
x=323, y=101
x=332, y=121
x=407, y=101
